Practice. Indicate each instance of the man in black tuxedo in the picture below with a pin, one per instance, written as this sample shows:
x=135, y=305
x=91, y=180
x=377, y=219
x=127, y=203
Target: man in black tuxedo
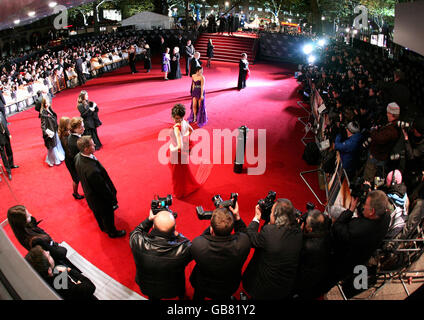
x=99, y=189
x=195, y=62
x=131, y=58
x=2, y=103
x=78, y=69
x=219, y=256
x=189, y=54
x=6, y=147
x=230, y=24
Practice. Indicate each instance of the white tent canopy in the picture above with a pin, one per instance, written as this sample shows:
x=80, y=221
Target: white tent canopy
x=147, y=20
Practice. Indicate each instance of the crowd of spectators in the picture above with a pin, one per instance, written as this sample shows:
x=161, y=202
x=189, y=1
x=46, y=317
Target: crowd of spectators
x=370, y=117
x=66, y=66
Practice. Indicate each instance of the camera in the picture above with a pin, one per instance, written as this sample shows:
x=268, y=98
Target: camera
x=266, y=205
x=162, y=204
x=218, y=203
x=360, y=190
x=301, y=216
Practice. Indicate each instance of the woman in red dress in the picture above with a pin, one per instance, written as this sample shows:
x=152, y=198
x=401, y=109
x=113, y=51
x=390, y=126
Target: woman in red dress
x=183, y=181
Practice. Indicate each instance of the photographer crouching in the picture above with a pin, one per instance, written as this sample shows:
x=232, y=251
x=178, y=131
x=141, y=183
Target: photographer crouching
x=160, y=255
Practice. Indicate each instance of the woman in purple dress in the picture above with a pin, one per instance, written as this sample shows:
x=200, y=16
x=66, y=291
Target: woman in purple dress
x=198, y=111
x=166, y=65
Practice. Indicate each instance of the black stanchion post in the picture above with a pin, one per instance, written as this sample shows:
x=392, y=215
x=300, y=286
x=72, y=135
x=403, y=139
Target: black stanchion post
x=240, y=149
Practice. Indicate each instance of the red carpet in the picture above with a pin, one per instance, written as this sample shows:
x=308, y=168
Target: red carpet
x=133, y=109
x=228, y=48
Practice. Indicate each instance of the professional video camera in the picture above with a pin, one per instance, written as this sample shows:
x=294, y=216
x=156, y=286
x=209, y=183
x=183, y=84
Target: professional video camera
x=301, y=216
x=266, y=205
x=218, y=203
x=162, y=204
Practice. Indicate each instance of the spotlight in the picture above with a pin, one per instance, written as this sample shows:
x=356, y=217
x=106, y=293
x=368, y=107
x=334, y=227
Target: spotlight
x=52, y=4
x=307, y=49
x=321, y=42
x=31, y=13
x=17, y=21
x=311, y=59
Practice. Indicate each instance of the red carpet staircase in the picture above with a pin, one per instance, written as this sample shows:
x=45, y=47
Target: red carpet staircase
x=228, y=48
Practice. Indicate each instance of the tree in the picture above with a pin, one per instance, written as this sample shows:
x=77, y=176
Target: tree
x=381, y=11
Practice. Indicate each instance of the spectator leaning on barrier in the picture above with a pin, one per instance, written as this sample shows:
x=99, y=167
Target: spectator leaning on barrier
x=271, y=273
x=219, y=255
x=383, y=140
x=160, y=256
x=399, y=203
x=349, y=148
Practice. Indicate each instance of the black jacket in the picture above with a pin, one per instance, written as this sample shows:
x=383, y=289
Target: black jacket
x=2, y=104
x=82, y=291
x=355, y=240
x=99, y=189
x=160, y=260
x=4, y=136
x=219, y=260
x=49, y=121
x=91, y=118
x=271, y=272
x=314, y=265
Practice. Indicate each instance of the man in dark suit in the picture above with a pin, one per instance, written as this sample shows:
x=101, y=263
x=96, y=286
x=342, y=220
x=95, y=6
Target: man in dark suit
x=195, y=62
x=99, y=189
x=131, y=58
x=2, y=103
x=189, y=54
x=78, y=69
x=271, y=273
x=230, y=24
x=219, y=256
x=6, y=147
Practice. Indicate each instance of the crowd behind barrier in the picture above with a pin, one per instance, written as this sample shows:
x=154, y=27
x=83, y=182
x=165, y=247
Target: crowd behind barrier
x=54, y=69
x=369, y=135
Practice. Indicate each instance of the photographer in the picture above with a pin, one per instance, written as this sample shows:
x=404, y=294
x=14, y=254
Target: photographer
x=271, y=272
x=314, y=259
x=356, y=238
x=383, y=140
x=219, y=255
x=161, y=256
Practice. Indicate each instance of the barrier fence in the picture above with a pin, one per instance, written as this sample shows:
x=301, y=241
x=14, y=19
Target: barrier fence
x=336, y=185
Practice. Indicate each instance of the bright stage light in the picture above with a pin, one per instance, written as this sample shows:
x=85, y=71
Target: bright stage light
x=307, y=49
x=17, y=21
x=31, y=13
x=52, y=4
x=311, y=59
x=321, y=42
